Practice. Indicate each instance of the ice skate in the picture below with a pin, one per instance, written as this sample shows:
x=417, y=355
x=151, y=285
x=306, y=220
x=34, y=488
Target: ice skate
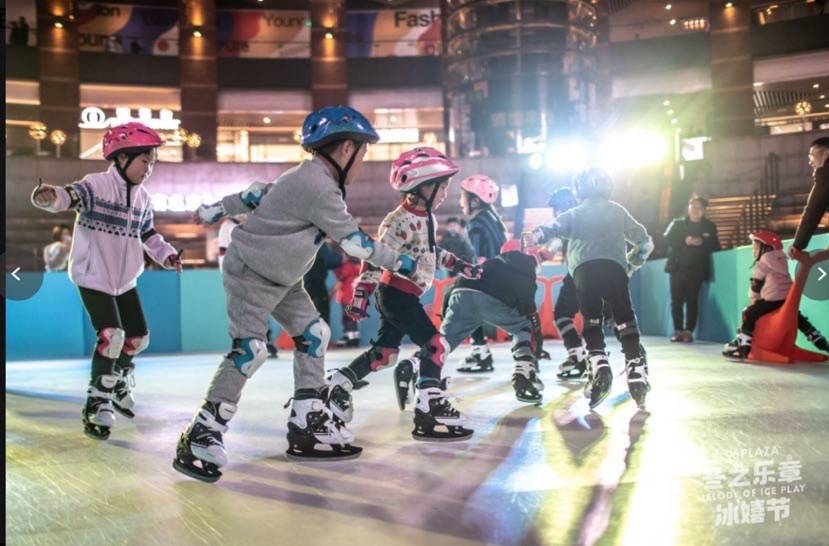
x=337, y=394
x=201, y=451
x=738, y=348
x=817, y=339
x=637, y=376
x=435, y=419
x=575, y=366
x=97, y=415
x=122, y=399
x=600, y=379
x=478, y=361
x=527, y=384
x=405, y=376
x=315, y=435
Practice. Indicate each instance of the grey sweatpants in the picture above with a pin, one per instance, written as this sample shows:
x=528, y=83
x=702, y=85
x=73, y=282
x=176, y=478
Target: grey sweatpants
x=468, y=309
x=250, y=300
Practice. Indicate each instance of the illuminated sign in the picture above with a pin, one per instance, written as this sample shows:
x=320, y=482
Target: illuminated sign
x=407, y=135
x=95, y=118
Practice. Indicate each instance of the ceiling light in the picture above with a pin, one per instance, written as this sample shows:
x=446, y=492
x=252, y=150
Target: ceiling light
x=758, y=84
x=815, y=85
x=666, y=103
x=668, y=7
x=670, y=112
x=672, y=22
x=329, y=35
x=266, y=120
x=197, y=32
x=58, y=24
x=729, y=4
x=673, y=121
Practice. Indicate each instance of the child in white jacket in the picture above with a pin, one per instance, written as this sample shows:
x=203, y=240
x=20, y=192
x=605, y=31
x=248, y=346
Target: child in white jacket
x=113, y=228
x=770, y=284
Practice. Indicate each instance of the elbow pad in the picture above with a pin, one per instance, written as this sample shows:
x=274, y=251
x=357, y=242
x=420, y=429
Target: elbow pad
x=359, y=245
x=757, y=285
x=252, y=196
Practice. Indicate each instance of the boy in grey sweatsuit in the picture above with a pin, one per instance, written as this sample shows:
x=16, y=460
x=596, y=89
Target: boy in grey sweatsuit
x=262, y=275
x=598, y=232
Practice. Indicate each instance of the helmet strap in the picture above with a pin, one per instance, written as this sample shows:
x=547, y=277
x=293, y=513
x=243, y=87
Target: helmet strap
x=429, y=222
x=342, y=172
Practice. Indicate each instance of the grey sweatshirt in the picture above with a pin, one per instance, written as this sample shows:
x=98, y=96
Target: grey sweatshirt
x=597, y=229
x=280, y=238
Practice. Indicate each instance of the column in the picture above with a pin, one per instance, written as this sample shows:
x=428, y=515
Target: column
x=199, y=74
x=60, y=88
x=329, y=75
x=732, y=69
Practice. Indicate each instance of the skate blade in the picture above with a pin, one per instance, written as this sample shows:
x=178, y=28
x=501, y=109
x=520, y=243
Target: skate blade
x=475, y=370
x=123, y=412
x=195, y=475
x=96, y=435
x=599, y=400
x=526, y=400
x=322, y=456
x=443, y=436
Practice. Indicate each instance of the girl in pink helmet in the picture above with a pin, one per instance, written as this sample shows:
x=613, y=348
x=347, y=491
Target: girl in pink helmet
x=113, y=229
x=422, y=175
x=487, y=234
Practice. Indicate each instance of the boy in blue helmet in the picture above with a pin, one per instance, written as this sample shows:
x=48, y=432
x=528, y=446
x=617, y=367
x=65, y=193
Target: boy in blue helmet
x=597, y=232
x=263, y=269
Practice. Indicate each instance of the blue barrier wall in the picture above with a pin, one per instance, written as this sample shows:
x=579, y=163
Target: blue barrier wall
x=187, y=312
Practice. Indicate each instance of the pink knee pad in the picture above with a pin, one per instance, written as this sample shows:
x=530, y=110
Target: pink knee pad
x=136, y=344
x=110, y=342
x=382, y=357
x=437, y=349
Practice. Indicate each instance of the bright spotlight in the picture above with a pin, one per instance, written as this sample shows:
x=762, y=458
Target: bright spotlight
x=566, y=156
x=536, y=161
x=633, y=148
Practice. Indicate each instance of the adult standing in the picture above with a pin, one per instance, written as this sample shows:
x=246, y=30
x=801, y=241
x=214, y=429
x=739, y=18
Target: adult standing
x=691, y=240
x=56, y=253
x=818, y=201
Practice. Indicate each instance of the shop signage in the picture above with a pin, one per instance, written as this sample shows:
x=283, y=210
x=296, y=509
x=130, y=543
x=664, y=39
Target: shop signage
x=94, y=118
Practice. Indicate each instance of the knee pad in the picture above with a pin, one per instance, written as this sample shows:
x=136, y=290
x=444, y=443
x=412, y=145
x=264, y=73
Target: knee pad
x=314, y=340
x=435, y=350
x=136, y=344
x=523, y=351
x=626, y=329
x=564, y=325
x=382, y=357
x=110, y=342
x=248, y=354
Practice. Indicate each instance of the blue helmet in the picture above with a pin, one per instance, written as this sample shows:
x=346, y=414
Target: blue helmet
x=334, y=123
x=562, y=200
x=593, y=182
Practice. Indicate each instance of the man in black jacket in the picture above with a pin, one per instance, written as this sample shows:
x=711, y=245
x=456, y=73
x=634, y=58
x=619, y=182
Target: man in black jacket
x=691, y=240
x=818, y=202
x=504, y=296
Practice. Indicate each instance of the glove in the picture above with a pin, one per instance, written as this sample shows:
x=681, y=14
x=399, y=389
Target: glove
x=406, y=266
x=357, y=310
x=538, y=338
x=467, y=270
x=209, y=214
x=252, y=196
x=44, y=196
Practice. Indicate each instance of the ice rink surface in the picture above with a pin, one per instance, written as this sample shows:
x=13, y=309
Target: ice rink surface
x=728, y=454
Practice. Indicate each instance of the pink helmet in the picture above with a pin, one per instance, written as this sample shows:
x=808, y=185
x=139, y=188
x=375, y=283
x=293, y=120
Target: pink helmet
x=420, y=166
x=481, y=186
x=132, y=136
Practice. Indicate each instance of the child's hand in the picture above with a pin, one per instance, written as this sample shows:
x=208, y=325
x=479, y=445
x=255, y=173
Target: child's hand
x=173, y=261
x=44, y=196
x=797, y=254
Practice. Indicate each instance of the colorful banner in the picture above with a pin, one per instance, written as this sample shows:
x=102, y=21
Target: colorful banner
x=121, y=28
x=393, y=33
x=264, y=34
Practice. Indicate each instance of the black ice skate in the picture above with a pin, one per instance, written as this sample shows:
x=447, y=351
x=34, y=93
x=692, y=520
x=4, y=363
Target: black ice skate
x=738, y=348
x=527, y=384
x=575, y=366
x=405, y=375
x=599, y=380
x=97, y=415
x=337, y=394
x=637, y=375
x=200, y=451
x=315, y=435
x=478, y=361
x=817, y=339
x=435, y=419
x=122, y=399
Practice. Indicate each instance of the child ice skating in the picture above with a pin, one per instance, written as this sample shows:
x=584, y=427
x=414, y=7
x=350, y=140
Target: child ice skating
x=113, y=229
x=598, y=231
x=770, y=283
x=504, y=296
x=487, y=234
x=263, y=270
x=422, y=175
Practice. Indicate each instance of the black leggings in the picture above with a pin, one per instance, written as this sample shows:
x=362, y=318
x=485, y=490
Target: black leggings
x=567, y=305
x=599, y=281
x=685, y=287
x=753, y=312
x=401, y=314
x=106, y=311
